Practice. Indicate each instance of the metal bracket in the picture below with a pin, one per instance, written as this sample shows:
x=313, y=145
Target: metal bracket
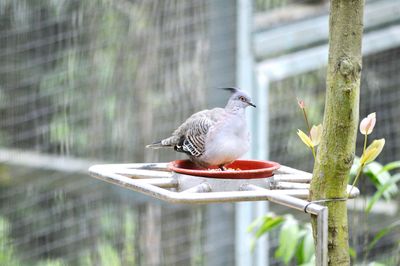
x=288, y=187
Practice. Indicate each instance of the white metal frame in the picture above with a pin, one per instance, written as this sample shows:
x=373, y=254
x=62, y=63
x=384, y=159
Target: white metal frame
x=288, y=187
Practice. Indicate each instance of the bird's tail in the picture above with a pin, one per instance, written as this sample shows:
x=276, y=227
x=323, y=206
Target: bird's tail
x=155, y=145
x=165, y=143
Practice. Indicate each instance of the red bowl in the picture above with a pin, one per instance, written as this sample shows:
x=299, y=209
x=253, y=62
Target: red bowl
x=245, y=169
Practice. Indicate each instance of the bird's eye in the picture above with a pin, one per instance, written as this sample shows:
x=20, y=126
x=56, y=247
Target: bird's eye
x=242, y=98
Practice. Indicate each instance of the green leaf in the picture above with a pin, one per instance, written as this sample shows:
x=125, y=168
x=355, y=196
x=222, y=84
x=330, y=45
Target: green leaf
x=308, y=245
x=391, y=166
x=305, y=250
x=310, y=263
x=255, y=223
x=381, y=234
x=352, y=253
x=265, y=223
x=288, y=240
x=108, y=255
x=379, y=177
x=269, y=224
x=381, y=190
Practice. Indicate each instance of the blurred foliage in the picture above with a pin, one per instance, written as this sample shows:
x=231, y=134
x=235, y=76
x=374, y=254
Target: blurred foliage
x=8, y=255
x=93, y=79
x=296, y=244
x=308, y=87
x=49, y=218
x=72, y=70
x=381, y=178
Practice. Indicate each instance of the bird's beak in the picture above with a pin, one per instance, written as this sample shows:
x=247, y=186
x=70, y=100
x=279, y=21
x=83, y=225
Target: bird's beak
x=252, y=104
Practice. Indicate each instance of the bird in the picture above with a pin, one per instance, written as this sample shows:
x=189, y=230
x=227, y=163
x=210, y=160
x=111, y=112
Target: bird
x=216, y=137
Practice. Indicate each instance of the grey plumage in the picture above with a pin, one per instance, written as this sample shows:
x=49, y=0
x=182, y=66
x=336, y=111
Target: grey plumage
x=213, y=137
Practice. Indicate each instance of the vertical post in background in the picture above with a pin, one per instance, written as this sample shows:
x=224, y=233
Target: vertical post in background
x=246, y=212
x=221, y=73
x=261, y=151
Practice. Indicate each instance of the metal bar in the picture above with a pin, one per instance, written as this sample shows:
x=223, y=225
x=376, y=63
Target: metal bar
x=289, y=170
x=260, y=147
x=304, y=33
x=140, y=166
x=161, y=182
x=245, y=212
x=138, y=173
x=291, y=178
x=289, y=185
x=321, y=252
x=317, y=57
x=200, y=188
x=43, y=161
x=292, y=198
x=103, y=173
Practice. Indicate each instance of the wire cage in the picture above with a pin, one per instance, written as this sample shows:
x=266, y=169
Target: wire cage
x=88, y=82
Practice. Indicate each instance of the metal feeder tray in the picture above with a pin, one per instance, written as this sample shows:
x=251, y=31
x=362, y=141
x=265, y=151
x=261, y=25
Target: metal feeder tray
x=288, y=187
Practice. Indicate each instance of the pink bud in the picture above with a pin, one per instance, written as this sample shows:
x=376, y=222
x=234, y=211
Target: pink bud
x=301, y=104
x=368, y=124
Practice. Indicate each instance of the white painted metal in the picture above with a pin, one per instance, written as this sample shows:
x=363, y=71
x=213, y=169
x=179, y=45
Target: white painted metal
x=246, y=212
x=300, y=34
x=196, y=190
x=317, y=57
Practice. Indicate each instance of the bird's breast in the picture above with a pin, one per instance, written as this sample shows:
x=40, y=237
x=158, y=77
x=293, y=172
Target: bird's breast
x=226, y=144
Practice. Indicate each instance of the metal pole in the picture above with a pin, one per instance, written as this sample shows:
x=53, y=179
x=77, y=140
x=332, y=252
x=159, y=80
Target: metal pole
x=247, y=211
x=321, y=252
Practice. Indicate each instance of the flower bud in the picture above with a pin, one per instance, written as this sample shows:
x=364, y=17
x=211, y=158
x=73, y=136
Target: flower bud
x=301, y=104
x=368, y=124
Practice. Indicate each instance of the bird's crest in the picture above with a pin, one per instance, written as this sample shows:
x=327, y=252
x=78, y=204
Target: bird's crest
x=231, y=89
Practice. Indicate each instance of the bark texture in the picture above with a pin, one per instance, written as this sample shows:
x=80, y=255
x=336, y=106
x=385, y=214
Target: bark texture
x=340, y=123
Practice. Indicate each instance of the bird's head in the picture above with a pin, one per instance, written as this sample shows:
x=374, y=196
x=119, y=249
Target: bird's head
x=239, y=99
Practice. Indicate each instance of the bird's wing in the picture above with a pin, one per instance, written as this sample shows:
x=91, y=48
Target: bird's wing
x=193, y=132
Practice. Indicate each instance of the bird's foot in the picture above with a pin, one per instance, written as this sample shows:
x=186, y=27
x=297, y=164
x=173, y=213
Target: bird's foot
x=222, y=168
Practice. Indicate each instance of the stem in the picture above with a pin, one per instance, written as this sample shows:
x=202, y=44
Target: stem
x=361, y=166
x=306, y=119
x=365, y=142
x=356, y=178
x=313, y=152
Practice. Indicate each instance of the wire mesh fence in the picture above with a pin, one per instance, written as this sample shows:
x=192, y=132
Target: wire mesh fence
x=97, y=80
x=380, y=94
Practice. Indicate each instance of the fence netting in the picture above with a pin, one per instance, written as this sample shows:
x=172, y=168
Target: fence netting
x=98, y=80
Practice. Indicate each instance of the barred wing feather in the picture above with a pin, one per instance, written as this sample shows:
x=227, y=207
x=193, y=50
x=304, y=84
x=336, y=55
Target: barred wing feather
x=194, y=131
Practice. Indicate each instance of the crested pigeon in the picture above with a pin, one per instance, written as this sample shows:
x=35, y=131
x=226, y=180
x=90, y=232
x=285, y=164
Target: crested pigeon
x=213, y=137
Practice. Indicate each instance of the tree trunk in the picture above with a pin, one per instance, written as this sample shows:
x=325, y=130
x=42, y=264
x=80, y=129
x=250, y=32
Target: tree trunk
x=336, y=150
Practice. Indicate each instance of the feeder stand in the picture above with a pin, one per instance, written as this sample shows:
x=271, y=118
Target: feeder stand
x=288, y=187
